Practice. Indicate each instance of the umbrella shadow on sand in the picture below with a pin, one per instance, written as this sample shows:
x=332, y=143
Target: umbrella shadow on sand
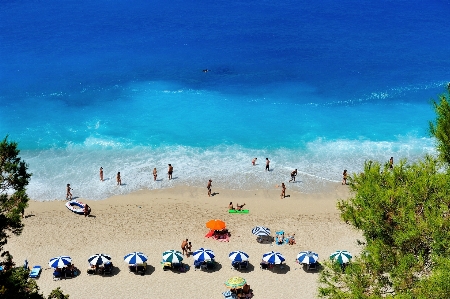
x=281, y=269
x=217, y=267
x=249, y=268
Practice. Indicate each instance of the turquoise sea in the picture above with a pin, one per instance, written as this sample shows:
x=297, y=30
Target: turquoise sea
x=320, y=86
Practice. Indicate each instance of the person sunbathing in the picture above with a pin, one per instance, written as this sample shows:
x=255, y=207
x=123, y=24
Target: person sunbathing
x=230, y=206
x=239, y=207
x=281, y=238
x=292, y=240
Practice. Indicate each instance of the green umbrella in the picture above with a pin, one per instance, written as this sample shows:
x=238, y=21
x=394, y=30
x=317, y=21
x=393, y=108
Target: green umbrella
x=235, y=282
x=172, y=256
x=341, y=256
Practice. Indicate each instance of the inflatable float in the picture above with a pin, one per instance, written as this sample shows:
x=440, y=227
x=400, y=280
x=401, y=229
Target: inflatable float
x=77, y=207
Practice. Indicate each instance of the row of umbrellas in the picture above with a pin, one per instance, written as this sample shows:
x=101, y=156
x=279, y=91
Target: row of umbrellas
x=202, y=254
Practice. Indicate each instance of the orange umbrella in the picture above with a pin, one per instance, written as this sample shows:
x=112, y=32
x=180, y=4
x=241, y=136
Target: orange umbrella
x=215, y=224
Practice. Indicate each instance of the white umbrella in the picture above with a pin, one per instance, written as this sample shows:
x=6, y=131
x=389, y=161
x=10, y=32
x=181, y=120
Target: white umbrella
x=341, y=256
x=307, y=257
x=60, y=261
x=238, y=256
x=203, y=254
x=99, y=259
x=135, y=258
x=273, y=257
x=261, y=231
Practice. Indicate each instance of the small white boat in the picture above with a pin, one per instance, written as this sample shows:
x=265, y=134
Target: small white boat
x=77, y=207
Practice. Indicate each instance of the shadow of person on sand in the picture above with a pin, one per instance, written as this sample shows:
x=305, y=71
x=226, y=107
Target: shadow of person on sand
x=214, y=193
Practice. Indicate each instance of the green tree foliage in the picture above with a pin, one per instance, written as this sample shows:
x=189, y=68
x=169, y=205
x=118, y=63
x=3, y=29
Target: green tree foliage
x=440, y=129
x=14, y=281
x=13, y=199
x=404, y=216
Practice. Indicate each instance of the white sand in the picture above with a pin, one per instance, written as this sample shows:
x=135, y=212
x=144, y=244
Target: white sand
x=158, y=220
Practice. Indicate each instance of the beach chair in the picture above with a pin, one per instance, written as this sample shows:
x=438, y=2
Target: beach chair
x=57, y=275
x=107, y=269
x=243, y=265
x=141, y=269
x=264, y=266
x=90, y=271
x=210, y=265
x=235, y=265
x=166, y=266
x=35, y=272
x=197, y=265
x=312, y=266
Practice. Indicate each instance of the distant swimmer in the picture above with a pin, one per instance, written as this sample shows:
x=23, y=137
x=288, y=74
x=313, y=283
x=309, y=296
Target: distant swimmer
x=206, y=70
x=254, y=161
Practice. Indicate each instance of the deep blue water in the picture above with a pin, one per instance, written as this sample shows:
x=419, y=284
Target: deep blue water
x=315, y=86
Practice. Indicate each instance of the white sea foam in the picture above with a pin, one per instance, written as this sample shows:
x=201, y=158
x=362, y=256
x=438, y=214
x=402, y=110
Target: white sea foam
x=227, y=166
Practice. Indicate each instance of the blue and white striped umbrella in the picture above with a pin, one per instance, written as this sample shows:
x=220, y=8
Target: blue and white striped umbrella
x=261, y=231
x=135, y=258
x=273, y=257
x=203, y=255
x=99, y=259
x=60, y=261
x=238, y=256
x=341, y=256
x=307, y=257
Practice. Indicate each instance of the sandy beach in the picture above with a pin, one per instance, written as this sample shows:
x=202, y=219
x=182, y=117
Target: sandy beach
x=158, y=220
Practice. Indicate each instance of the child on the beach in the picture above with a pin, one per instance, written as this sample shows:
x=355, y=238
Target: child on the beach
x=69, y=194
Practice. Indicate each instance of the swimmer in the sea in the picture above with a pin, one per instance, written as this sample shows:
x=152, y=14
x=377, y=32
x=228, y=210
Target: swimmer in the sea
x=206, y=70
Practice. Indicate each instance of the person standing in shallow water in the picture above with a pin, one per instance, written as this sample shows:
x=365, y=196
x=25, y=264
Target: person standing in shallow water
x=101, y=174
x=267, y=164
x=344, y=177
x=68, y=193
x=170, y=171
x=254, y=161
x=119, y=179
x=155, y=174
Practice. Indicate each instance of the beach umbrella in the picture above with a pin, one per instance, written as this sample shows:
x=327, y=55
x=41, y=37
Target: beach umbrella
x=172, y=256
x=341, y=256
x=135, y=258
x=203, y=255
x=235, y=282
x=261, y=231
x=307, y=257
x=238, y=256
x=273, y=257
x=60, y=261
x=215, y=224
x=99, y=259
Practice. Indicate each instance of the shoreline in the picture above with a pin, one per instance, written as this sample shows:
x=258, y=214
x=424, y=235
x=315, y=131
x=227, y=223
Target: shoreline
x=153, y=221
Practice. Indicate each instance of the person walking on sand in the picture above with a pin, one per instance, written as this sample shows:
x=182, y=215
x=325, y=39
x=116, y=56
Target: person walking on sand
x=293, y=174
x=267, y=164
x=119, y=180
x=184, y=246
x=101, y=174
x=86, y=210
x=155, y=174
x=209, y=187
x=344, y=177
x=254, y=161
x=283, y=190
x=391, y=162
x=68, y=193
x=170, y=171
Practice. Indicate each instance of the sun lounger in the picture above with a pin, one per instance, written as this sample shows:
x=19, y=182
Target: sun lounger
x=57, y=275
x=197, y=265
x=244, y=264
x=166, y=266
x=209, y=234
x=235, y=265
x=35, y=272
